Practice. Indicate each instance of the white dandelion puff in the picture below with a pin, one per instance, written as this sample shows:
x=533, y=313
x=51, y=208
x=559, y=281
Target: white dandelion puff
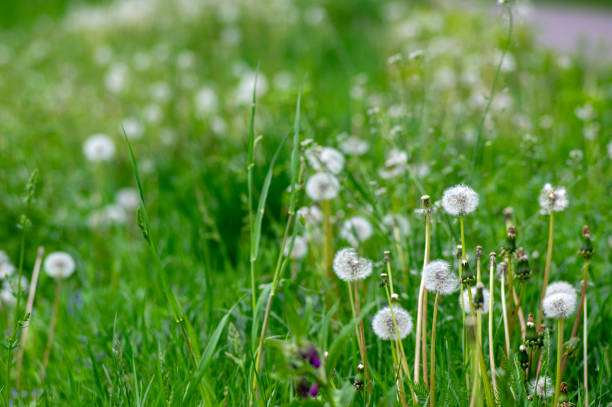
x=543, y=388
x=459, y=200
x=206, y=100
x=394, y=220
x=438, y=278
x=99, y=147
x=133, y=128
x=312, y=215
x=59, y=265
x=559, y=287
x=560, y=305
x=356, y=229
x=465, y=302
x=395, y=164
x=299, y=250
x=353, y=145
x=6, y=267
x=553, y=199
x=322, y=187
x=128, y=199
x=384, y=327
x=349, y=266
x=325, y=159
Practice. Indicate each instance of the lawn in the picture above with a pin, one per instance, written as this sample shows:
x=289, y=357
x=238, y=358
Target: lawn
x=203, y=234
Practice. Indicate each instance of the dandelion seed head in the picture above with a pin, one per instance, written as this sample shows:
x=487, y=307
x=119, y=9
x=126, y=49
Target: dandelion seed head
x=133, y=128
x=560, y=305
x=99, y=147
x=6, y=267
x=300, y=248
x=325, y=159
x=349, y=266
x=356, y=229
x=322, y=187
x=312, y=215
x=384, y=327
x=394, y=220
x=559, y=287
x=553, y=199
x=459, y=200
x=466, y=300
x=395, y=164
x=438, y=278
x=127, y=198
x=59, y=265
x=353, y=145
x=543, y=388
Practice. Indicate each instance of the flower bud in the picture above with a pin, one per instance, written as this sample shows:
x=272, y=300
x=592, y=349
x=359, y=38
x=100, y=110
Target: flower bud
x=467, y=275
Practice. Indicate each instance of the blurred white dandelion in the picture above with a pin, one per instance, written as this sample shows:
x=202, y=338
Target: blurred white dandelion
x=465, y=302
x=553, y=199
x=395, y=220
x=384, y=326
x=133, y=128
x=559, y=287
x=325, y=159
x=356, y=230
x=206, y=100
x=59, y=265
x=349, y=266
x=127, y=198
x=6, y=267
x=99, y=147
x=543, y=388
x=322, y=187
x=312, y=215
x=459, y=200
x=395, y=164
x=438, y=278
x=299, y=250
x=353, y=145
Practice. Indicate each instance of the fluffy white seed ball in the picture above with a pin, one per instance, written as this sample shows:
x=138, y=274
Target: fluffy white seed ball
x=300, y=248
x=384, y=327
x=356, y=229
x=312, y=215
x=459, y=200
x=559, y=305
x=438, y=278
x=99, y=147
x=354, y=146
x=349, y=266
x=59, y=265
x=6, y=267
x=322, y=187
x=325, y=159
x=559, y=287
x=553, y=199
x=466, y=300
x=128, y=198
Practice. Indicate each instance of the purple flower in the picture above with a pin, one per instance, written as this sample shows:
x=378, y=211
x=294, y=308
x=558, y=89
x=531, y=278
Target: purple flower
x=311, y=355
x=314, y=389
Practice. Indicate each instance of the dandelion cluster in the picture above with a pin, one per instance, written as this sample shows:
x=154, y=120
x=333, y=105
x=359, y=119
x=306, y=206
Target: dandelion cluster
x=384, y=327
x=349, y=266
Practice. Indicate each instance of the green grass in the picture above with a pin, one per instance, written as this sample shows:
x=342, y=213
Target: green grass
x=117, y=340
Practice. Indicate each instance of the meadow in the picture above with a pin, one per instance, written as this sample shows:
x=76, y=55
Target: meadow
x=202, y=168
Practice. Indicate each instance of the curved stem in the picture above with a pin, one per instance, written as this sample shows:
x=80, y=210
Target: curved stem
x=422, y=304
x=361, y=338
x=585, y=355
x=491, y=345
x=504, y=315
x=580, y=309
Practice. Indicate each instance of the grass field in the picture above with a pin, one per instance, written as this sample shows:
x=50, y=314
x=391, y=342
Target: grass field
x=169, y=296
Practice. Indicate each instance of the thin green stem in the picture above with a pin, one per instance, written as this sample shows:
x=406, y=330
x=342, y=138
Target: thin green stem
x=505, y=315
x=432, y=361
x=422, y=305
x=585, y=344
x=559, y=351
x=549, y=251
x=491, y=308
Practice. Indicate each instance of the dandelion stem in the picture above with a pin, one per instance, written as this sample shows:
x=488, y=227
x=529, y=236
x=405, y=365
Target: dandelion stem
x=432, y=362
x=559, y=351
x=491, y=308
x=585, y=341
x=582, y=305
x=505, y=315
x=29, y=306
x=45, y=361
x=361, y=338
x=422, y=305
x=546, y=267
